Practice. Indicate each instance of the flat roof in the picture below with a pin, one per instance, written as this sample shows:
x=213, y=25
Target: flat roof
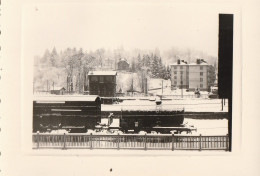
x=102, y=73
x=63, y=98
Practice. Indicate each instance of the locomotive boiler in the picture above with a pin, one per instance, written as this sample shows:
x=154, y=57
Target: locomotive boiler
x=72, y=113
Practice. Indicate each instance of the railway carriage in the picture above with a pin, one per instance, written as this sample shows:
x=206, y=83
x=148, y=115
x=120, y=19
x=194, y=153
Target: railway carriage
x=82, y=113
x=151, y=120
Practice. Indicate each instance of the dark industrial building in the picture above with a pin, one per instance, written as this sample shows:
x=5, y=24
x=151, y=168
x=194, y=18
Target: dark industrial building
x=102, y=83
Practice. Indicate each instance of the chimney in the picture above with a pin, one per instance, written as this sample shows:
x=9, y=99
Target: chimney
x=198, y=61
x=178, y=61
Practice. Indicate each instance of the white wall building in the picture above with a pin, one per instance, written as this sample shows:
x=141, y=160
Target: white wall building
x=198, y=74
x=190, y=76
x=180, y=74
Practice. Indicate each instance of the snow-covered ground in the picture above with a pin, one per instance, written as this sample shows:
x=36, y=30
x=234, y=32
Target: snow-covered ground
x=189, y=105
x=209, y=127
x=204, y=127
x=155, y=88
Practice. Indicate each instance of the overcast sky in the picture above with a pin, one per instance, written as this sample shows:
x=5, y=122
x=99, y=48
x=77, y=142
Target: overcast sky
x=144, y=26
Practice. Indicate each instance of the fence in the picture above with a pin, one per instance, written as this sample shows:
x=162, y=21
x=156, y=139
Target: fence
x=127, y=141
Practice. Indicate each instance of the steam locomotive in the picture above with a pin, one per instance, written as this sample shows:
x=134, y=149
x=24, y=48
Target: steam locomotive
x=82, y=113
x=72, y=113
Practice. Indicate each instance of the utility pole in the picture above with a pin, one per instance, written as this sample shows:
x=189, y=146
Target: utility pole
x=162, y=88
x=79, y=82
x=47, y=85
x=181, y=88
x=222, y=104
x=67, y=84
x=145, y=86
x=132, y=86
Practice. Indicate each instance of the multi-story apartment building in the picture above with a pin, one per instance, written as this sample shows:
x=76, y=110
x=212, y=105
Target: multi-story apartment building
x=197, y=75
x=180, y=74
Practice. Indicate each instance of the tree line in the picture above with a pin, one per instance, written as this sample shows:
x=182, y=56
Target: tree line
x=69, y=68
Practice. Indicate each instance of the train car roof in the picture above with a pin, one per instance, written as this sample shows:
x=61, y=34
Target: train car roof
x=150, y=108
x=102, y=73
x=67, y=98
x=109, y=108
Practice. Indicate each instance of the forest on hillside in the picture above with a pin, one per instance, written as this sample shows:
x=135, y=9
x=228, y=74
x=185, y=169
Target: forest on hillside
x=69, y=68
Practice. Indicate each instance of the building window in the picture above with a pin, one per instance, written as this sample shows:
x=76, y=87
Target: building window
x=94, y=78
x=201, y=67
x=201, y=79
x=175, y=82
x=175, y=72
x=101, y=79
x=175, y=77
x=181, y=72
x=109, y=78
x=175, y=67
x=201, y=85
x=181, y=82
x=181, y=67
x=201, y=73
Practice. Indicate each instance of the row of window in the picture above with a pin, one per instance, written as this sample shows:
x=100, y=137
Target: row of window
x=102, y=78
x=181, y=72
x=175, y=83
x=180, y=76
x=201, y=79
x=181, y=67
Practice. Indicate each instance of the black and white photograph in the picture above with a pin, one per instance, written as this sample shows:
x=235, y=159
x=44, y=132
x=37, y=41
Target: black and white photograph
x=118, y=78
x=128, y=88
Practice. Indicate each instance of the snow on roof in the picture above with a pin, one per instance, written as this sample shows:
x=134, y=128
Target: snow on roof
x=202, y=63
x=181, y=63
x=189, y=105
x=124, y=60
x=57, y=88
x=63, y=98
x=102, y=73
